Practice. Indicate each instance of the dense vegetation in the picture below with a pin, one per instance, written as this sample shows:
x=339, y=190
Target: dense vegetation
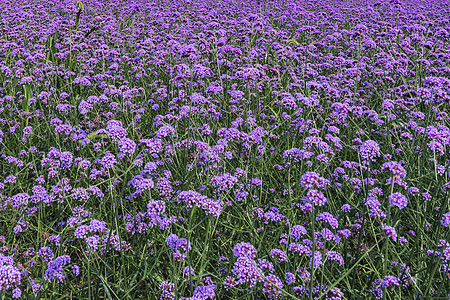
x=224, y=149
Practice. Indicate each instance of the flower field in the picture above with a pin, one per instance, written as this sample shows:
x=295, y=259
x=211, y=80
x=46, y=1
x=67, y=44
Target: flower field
x=229, y=149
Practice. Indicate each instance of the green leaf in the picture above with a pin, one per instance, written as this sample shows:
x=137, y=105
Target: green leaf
x=292, y=42
x=77, y=20
x=28, y=93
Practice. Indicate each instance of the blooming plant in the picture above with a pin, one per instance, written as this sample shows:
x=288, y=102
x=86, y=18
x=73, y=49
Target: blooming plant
x=229, y=149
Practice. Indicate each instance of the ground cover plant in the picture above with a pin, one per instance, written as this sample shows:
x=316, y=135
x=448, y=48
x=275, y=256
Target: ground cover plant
x=224, y=149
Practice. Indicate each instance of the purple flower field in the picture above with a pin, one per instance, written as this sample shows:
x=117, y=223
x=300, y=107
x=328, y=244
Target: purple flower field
x=229, y=149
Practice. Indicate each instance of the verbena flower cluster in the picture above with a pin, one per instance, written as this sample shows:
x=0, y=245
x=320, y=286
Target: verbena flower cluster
x=230, y=149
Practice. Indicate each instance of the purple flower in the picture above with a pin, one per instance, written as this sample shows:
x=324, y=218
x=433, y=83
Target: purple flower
x=426, y=196
x=165, y=130
x=389, y=281
x=168, y=290
x=109, y=160
x=290, y=278
x=55, y=239
x=10, y=179
x=212, y=89
x=97, y=226
x=240, y=173
x=399, y=200
x=16, y=293
x=297, y=232
x=272, y=285
x=82, y=81
x=204, y=292
x=188, y=271
x=75, y=270
x=395, y=167
x=256, y=182
x=66, y=158
x=265, y=265
x=377, y=293
x=244, y=249
x=224, y=182
x=175, y=243
x=81, y=231
x=316, y=197
x=171, y=241
x=369, y=150
x=115, y=130
x=19, y=200
x=336, y=256
x=328, y=218
x=127, y=145
x=46, y=253
x=194, y=198
x=288, y=101
x=9, y=275
x=313, y=180
x=446, y=219
x=390, y=231
x=436, y=147
x=279, y=254
x=27, y=131
x=154, y=145
x=345, y=208
x=413, y=191
x=84, y=107
x=327, y=234
x=245, y=270
x=55, y=268
x=261, y=149
x=164, y=186
x=316, y=260
x=299, y=248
